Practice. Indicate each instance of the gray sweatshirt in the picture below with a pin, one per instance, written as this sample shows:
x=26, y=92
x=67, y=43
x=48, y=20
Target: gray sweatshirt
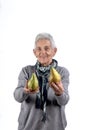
x=30, y=118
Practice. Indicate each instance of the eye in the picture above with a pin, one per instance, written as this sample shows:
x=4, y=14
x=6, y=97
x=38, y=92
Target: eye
x=38, y=49
x=47, y=48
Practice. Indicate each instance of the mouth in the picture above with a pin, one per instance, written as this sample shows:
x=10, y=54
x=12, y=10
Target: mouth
x=43, y=56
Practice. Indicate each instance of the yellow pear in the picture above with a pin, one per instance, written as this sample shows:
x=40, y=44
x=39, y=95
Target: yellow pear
x=54, y=75
x=33, y=82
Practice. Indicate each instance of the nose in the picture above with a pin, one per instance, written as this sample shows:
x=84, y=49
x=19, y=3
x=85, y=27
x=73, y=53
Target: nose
x=43, y=51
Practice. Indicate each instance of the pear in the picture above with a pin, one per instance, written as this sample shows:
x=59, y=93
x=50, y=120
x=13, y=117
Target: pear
x=33, y=82
x=54, y=75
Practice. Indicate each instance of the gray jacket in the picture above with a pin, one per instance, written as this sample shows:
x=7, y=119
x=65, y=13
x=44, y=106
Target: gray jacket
x=30, y=117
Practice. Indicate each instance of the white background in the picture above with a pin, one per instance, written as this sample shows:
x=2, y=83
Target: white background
x=20, y=22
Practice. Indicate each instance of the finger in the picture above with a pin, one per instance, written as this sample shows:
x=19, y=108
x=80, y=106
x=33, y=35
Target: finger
x=54, y=86
x=33, y=91
x=56, y=89
x=26, y=90
x=60, y=85
x=29, y=90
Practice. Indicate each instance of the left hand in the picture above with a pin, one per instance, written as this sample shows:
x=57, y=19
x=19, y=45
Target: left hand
x=57, y=87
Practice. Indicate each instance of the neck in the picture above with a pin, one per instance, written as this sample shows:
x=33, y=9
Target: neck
x=46, y=64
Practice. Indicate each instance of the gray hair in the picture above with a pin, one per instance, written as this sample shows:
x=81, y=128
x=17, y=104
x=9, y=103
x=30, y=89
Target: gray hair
x=45, y=36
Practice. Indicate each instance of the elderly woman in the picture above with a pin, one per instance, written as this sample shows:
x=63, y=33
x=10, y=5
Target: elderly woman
x=44, y=108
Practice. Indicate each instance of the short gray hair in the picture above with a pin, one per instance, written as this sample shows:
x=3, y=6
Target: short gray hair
x=45, y=36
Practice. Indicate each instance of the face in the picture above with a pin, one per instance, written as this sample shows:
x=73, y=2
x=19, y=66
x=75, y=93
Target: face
x=44, y=52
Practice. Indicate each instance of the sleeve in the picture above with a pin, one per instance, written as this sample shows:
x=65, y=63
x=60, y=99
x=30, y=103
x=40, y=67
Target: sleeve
x=64, y=98
x=19, y=93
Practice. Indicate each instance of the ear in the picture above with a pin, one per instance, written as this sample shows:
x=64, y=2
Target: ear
x=34, y=52
x=54, y=51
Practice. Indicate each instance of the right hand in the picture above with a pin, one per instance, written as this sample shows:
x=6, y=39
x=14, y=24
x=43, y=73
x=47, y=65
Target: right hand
x=27, y=90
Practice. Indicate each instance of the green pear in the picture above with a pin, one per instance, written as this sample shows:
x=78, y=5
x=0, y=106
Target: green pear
x=33, y=82
x=54, y=75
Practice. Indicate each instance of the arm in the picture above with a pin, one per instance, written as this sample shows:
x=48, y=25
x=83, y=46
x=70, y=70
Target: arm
x=20, y=94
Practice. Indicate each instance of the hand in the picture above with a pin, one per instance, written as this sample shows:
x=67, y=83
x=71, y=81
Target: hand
x=57, y=87
x=27, y=90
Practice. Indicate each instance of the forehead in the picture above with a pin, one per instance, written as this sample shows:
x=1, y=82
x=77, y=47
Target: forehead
x=43, y=42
